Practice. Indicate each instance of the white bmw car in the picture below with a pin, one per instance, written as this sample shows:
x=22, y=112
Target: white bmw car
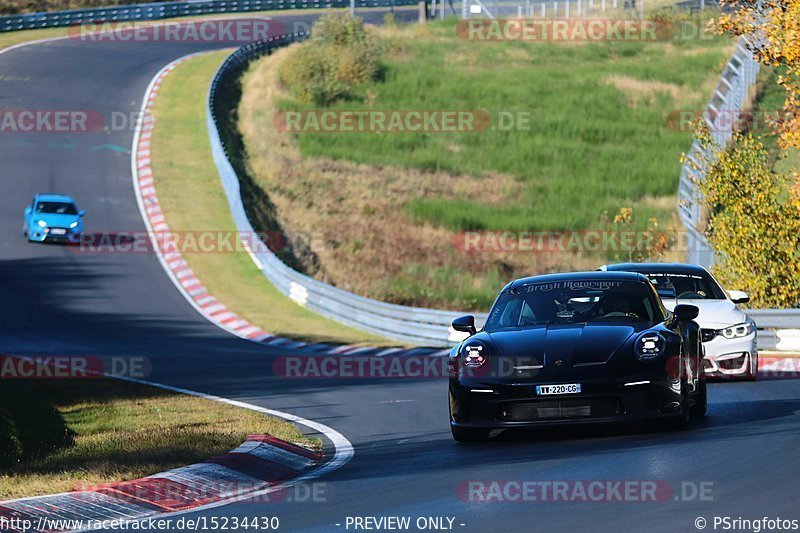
x=728, y=335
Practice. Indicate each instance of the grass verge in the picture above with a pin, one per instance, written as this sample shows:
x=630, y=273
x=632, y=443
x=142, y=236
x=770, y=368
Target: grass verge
x=192, y=199
x=18, y=37
x=392, y=208
x=59, y=435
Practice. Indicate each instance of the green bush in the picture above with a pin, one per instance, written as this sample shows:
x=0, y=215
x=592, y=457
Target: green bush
x=10, y=446
x=340, y=56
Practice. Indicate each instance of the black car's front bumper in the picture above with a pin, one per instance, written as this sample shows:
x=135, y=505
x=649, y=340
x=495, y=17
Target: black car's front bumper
x=516, y=404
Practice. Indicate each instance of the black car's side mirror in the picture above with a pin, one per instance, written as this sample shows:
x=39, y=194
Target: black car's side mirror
x=465, y=324
x=685, y=312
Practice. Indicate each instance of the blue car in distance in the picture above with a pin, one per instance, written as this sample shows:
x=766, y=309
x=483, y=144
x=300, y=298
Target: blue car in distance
x=53, y=217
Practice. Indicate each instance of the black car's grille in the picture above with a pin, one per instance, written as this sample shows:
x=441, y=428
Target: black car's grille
x=707, y=334
x=557, y=409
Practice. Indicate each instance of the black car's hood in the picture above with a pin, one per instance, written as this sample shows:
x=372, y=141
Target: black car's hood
x=564, y=345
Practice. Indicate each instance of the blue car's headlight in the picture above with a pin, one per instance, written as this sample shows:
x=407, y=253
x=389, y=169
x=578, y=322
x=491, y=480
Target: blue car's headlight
x=73, y=225
x=41, y=223
x=649, y=346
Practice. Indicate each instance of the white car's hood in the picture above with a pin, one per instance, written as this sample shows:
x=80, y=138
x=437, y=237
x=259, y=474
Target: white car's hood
x=714, y=314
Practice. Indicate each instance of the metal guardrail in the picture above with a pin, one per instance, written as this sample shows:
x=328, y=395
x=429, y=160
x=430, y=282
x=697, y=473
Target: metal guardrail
x=428, y=327
x=167, y=10
x=721, y=115
x=775, y=318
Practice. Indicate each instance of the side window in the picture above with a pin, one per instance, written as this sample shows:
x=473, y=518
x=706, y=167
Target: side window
x=649, y=309
x=511, y=313
x=526, y=315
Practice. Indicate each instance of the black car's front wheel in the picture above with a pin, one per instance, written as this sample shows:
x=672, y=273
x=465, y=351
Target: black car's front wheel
x=470, y=434
x=681, y=420
x=700, y=407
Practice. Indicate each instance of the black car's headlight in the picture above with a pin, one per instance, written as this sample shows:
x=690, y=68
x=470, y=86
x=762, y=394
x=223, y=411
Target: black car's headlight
x=739, y=330
x=649, y=346
x=474, y=354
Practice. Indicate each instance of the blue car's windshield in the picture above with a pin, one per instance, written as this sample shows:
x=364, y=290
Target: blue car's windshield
x=56, y=208
x=572, y=302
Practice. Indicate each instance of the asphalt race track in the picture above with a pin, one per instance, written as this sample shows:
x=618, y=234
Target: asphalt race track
x=56, y=301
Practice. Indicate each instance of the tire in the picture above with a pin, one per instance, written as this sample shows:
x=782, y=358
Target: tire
x=470, y=434
x=681, y=421
x=752, y=370
x=700, y=407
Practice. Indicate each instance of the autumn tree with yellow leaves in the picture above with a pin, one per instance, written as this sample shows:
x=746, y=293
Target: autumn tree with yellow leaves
x=772, y=29
x=754, y=211
x=755, y=222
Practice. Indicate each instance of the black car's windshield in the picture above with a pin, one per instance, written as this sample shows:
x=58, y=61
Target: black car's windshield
x=572, y=302
x=686, y=286
x=56, y=208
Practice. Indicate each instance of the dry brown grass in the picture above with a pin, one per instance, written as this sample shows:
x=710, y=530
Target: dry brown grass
x=642, y=92
x=362, y=237
x=358, y=214
x=83, y=433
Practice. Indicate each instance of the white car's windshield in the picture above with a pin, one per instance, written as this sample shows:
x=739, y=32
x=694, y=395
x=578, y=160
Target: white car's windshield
x=686, y=286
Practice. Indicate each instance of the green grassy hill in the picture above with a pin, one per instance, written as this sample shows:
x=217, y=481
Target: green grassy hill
x=598, y=139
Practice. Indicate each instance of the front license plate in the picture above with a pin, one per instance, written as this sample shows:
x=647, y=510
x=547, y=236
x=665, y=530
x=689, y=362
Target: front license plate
x=568, y=388
x=58, y=231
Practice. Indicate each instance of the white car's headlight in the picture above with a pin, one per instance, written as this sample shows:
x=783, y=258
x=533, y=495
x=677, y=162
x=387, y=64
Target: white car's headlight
x=74, y=225
x=41, y=223
x=739, y=330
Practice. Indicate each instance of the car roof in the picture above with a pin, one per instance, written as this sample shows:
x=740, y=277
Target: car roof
x=49, y=197
x=651, y=268
x=580, y=276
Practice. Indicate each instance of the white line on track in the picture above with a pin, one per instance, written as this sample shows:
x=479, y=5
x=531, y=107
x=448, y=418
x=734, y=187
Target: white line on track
x=343, y=448
x=140, y=201
x=344, y=451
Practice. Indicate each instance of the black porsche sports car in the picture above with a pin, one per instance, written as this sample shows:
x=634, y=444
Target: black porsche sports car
x=576, y=348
